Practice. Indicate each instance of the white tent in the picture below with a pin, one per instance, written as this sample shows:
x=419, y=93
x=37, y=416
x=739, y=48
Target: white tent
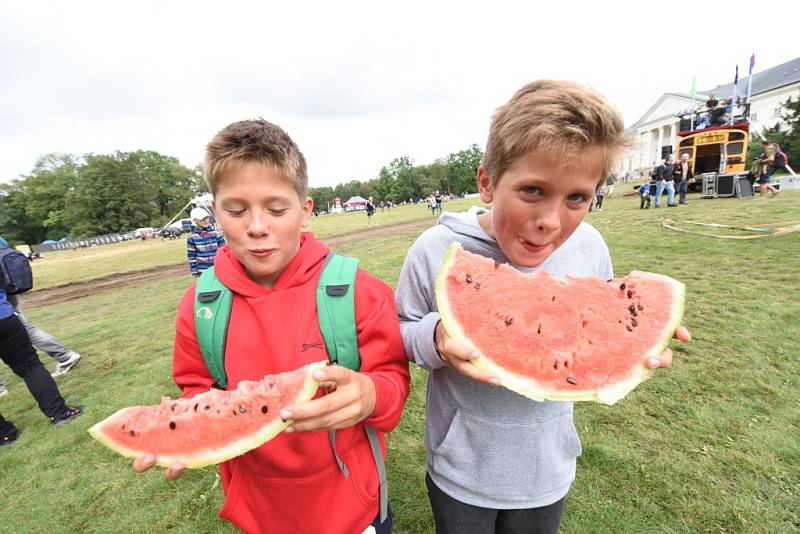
x=355, y=203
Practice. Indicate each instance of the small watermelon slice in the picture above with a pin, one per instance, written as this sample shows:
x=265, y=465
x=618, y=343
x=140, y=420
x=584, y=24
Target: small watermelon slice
x=211, y=427
x=567, y=339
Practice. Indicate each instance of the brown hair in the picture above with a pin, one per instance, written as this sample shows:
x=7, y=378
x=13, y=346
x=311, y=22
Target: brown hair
x=560, y=118
x=255, y=141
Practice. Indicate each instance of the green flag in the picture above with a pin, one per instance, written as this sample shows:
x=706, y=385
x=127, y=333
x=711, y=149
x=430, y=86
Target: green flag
x=692, y=90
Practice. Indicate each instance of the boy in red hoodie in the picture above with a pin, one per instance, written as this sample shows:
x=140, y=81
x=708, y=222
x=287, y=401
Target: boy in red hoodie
x=292, y=483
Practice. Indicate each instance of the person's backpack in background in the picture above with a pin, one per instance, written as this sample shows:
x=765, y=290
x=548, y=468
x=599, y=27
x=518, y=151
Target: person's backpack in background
x=15, y=272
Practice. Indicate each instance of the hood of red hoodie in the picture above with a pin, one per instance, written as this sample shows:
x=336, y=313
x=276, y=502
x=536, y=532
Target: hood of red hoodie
x=303, y=267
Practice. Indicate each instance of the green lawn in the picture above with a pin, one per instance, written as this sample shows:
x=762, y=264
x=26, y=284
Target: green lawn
x=68, y=266
x=710, y=445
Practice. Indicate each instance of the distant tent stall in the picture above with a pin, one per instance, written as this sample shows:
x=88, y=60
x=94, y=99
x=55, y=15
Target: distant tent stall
x=355, y=203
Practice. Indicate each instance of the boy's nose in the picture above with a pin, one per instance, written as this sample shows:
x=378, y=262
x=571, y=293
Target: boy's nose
x=258, y=225
x=548, y=220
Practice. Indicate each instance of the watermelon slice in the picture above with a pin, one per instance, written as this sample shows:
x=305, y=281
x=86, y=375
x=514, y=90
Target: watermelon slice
x=211, y=427
x=567, y=339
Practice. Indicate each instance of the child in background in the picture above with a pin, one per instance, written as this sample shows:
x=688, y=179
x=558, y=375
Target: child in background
x=203, y=243
x=644, y=196
x=293, y=483
x=499, y=462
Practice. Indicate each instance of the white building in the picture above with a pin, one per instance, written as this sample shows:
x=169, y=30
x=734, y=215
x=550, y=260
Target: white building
x=656, y=131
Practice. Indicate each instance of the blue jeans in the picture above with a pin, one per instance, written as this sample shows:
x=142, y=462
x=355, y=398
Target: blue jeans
x=670, y=187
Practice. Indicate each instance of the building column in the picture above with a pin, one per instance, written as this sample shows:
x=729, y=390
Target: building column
x=672, y=136
x=660, y=142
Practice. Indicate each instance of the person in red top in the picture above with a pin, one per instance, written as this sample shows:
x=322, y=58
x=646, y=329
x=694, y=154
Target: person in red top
x=292, y=483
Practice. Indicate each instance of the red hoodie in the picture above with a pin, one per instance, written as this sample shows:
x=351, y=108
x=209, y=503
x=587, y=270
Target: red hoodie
x=292, y=483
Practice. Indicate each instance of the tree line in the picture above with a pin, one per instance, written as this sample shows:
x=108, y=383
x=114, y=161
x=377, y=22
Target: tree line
x=96, y=194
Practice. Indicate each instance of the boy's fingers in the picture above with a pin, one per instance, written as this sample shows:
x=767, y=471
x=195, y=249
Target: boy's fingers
x=315, y=408
x=682, y=334
x=143, y=463
x=333, y=373
x=174, y=471
x=474, y=372
x=664, y=360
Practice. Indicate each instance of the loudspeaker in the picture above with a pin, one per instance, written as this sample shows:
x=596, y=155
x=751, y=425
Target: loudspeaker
x=744, y=186
x=725, y=185
x=685, y=124
x=666, y=150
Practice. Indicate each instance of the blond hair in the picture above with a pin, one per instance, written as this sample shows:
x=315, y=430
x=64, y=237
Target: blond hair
x=255, y=141
x=561, y=119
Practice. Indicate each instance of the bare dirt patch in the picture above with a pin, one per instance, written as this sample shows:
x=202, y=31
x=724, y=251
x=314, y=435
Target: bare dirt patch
x=76, y=290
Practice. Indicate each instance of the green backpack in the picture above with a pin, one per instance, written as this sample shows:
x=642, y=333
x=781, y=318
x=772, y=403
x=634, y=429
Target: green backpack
x=337, y=322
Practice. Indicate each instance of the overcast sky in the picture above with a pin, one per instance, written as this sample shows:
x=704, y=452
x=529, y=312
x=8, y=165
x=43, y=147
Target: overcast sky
x=355, y=84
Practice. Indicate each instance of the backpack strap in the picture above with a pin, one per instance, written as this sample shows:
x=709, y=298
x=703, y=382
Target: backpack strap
x=336, y=310
x=212, y=309
x=337, y=322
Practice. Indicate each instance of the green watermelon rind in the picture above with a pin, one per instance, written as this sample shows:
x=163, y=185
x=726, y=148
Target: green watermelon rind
x=220, y=454
x=532, y=389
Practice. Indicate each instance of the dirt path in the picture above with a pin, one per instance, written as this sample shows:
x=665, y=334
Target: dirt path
x=58, y=294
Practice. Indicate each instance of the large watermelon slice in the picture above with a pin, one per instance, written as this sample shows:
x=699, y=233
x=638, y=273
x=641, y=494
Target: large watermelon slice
x=211, y=427
x=569, y=339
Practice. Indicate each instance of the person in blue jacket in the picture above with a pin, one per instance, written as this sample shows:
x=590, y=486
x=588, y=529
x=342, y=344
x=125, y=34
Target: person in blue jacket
x=203, y=243
x=18, y=353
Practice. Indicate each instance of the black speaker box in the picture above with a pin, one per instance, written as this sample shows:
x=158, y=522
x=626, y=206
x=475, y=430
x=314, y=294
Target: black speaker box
x=666, y=150
x=725, y=187
x=745, y=186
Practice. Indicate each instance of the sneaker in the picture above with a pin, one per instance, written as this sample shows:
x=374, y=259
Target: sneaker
x=63, y=367
x=10, y=438
x=72, y=413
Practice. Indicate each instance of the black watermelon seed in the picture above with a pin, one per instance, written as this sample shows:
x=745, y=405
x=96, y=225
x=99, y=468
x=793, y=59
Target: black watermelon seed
x=610, y=280
x=172, y=407
x=242, y=408
x=271, y=385
x=630, y=294
x=640, y=307
x=634, y=313
x=509, y=321
x=633, y=322
x=207, y=407
x=554, y=298
x=195, y=407
x=133, y=434
x=571, y=380
x=629, y=328
x=123, y=426
x=172, y=425
x=235, y=412
x=539, y=330
x=469, y=278
x=264, y=409
x=632, y=308
x=477, y=285
x=622, y=286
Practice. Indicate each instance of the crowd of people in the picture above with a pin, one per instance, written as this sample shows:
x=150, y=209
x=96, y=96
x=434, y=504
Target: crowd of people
x=496, y=461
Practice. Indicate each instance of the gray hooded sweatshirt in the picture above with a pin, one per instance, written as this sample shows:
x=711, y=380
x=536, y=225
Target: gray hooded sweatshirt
x=488, y=446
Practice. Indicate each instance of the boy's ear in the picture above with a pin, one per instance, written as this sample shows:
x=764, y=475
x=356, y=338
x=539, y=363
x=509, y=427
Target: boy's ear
x=485, y=186
x=308, y=208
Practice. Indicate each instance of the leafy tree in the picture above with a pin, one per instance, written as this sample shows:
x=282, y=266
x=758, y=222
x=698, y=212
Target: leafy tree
x=786, y=133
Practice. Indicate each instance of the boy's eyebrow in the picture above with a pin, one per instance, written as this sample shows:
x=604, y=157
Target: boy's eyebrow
x=275, y=198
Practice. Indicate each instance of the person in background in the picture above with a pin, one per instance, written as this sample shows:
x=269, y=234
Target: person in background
x=664, y=176
x=66, y=359
x=370, y=213
x=768, y=166
x=683, y=173
x=18, y=353
x=203, y=243
x=644, y=196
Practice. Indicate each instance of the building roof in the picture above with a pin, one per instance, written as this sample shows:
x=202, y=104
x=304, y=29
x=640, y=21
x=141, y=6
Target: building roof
x=772, y=78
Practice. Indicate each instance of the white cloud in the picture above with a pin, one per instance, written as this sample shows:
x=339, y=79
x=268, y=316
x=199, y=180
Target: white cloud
x=355, y=83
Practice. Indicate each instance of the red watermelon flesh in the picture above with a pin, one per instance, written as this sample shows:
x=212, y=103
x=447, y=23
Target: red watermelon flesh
x=570, y=339
x=211, y=427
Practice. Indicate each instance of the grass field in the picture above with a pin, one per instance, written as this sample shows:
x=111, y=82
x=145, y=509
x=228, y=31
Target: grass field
x=68, y=266
x=710, y=445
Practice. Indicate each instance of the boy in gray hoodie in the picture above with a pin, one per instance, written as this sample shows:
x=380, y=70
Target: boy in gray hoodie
x=499, y=462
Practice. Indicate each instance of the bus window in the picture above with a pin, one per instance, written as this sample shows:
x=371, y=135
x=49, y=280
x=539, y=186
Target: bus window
x=735, y=136
x=687, y=142
x=735, y=148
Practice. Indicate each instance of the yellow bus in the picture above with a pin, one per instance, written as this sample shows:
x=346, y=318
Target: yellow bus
x=719, y=149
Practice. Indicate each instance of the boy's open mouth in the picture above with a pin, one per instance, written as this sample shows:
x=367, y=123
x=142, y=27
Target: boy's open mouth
x=530, y=246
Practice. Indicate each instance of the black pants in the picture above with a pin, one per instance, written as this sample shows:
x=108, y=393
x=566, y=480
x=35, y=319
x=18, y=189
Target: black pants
x=17, y=352
x=455, y=517
x=645, y=200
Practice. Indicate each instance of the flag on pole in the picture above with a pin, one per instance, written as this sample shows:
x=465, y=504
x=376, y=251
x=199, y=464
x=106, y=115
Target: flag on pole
x=692, y=89
x=729, y=107
x=752, y=62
